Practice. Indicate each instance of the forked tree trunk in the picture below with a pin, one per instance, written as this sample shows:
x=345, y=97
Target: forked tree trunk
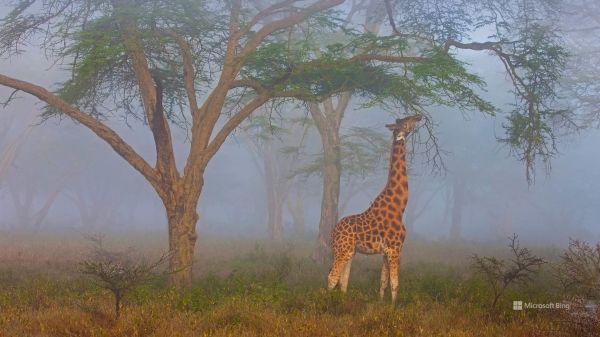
x=182, y=240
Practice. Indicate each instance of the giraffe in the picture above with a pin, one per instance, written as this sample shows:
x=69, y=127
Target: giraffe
x=379, y=229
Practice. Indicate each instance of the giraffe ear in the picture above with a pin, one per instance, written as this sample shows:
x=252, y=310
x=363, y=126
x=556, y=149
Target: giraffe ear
x=392, y=127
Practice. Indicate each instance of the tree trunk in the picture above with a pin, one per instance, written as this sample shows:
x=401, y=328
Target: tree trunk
x=275, y=197
x=295, y=206
x=332, y=171
x=276, y=219
x=182, y=218
x=458, y=196
x=328, y=121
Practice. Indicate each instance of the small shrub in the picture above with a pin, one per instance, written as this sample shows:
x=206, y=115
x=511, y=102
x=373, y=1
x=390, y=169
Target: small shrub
x=500, y=274
x=118, y=272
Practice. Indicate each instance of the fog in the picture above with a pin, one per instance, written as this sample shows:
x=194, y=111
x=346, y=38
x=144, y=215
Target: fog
x=65, y=178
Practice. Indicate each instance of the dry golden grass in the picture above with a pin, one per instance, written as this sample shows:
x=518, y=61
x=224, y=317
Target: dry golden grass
x=239, y=317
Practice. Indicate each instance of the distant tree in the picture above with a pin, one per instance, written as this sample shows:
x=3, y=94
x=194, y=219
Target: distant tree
x=580, y=19
x=96, y=205
x=422, y=193
x=295, y=204
x=273, y=143
x=32, y=193
x=9, y=147
x=32, y=203
x=364, y=154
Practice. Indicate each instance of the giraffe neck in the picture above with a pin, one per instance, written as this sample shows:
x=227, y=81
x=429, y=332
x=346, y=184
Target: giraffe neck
x=397, y=173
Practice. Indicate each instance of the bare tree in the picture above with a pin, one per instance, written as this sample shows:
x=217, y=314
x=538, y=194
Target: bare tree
x=500, y=274
x=118, y=271
x=10, y=148
x=29, y=213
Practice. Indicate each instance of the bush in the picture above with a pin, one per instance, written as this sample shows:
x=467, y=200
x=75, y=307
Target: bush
x=118, y=272
x=500, y=274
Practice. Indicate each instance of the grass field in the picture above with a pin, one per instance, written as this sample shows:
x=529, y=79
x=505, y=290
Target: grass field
x=258, y=288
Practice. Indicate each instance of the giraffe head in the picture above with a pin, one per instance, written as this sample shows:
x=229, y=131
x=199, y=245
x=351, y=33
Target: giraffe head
x=403, y=127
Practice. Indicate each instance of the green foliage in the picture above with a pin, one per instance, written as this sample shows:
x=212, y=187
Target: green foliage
x=314, y=72
x=539, y=58
x=415, y=69
x=264, y=128
x=445, y=81
x=364, y=151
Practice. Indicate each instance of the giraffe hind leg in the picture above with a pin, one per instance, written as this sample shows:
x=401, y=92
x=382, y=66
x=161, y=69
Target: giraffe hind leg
x=345, y=276
x=385, y=278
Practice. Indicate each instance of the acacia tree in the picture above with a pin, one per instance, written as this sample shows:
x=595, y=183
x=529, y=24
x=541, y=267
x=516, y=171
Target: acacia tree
x=127, y=56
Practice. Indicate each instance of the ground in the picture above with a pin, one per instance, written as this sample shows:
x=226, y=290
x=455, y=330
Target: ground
x=246, y=287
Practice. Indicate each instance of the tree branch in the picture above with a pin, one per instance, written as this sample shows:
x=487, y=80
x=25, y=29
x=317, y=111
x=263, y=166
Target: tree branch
x=97, y=127
x=288, y=21
x=246, y=83
x=150, y=90
x=188, y=68
x=496, y=48
x=264, y=13
x=232, y=123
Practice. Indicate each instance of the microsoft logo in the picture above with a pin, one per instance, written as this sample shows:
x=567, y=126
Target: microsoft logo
x=517, y=305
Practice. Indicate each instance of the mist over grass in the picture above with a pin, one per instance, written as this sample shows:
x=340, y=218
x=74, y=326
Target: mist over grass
x=250, y=287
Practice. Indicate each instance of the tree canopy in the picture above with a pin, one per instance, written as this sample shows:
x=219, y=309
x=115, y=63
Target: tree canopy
x=318, y=54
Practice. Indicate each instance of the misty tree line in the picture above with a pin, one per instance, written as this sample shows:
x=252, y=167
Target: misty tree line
x=207, y=67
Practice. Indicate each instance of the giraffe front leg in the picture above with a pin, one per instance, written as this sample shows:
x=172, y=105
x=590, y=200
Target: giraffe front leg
x=393, y=260
x=345, y=276
x=385, y=277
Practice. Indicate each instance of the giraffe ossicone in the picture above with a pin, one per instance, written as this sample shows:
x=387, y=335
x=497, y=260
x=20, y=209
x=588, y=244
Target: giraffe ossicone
x=379, y=229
